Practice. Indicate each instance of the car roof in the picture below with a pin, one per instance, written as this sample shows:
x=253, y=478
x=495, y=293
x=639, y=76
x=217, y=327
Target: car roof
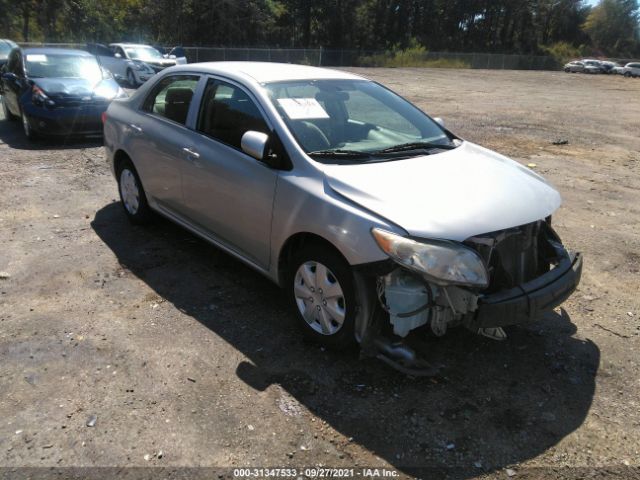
x=266, y=72
x=55, y=51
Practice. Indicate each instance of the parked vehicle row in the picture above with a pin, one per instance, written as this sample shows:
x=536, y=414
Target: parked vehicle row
x=134, y=63
x=56, y=91
x=598, y=66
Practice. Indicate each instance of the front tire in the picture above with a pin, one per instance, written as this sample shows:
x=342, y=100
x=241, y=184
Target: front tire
x=321, y=290
x=132, y=195
x=26, y=127
x=131, y=79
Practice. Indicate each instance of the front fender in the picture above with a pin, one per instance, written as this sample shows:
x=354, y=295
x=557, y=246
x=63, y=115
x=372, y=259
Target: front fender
x=309, y=205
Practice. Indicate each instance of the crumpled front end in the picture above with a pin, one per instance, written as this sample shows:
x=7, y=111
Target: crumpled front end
x=529, y=273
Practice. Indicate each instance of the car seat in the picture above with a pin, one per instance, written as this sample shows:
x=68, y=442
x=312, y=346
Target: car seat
x=177, y=100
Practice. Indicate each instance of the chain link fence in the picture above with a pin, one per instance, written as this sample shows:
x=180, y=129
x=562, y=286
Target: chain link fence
x=352, y=58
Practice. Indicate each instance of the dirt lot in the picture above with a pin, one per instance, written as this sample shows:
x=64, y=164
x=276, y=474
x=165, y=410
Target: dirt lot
x=187, y=358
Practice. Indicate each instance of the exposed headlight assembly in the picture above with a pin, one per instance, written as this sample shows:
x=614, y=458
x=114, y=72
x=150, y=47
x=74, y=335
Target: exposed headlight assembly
x=444, y=263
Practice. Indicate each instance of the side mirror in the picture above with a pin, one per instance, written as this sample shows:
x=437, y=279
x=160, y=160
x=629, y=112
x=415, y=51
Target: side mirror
x=439, y=121
x=172, y=56
x=254, y=144
x=117, y=55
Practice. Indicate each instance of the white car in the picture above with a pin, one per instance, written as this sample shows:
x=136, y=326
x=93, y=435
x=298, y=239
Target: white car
x=133, y=63
x=631, y=70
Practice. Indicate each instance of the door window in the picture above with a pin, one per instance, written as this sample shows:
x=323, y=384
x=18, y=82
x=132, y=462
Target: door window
x=171, y=97
x=227, y=113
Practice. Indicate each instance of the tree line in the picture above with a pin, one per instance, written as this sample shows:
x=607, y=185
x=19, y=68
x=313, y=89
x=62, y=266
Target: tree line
x=499, y=26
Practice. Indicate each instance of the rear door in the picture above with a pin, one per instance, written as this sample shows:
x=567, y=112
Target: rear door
x=227, y=192
x=157, y=135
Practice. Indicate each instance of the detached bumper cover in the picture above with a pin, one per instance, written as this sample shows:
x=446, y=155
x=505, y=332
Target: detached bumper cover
x=530, y=300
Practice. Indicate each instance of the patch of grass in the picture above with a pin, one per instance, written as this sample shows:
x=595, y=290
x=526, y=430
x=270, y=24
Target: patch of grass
x=564, y=52
x=414, y=56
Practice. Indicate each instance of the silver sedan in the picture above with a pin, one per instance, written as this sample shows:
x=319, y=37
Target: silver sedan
x=378, y=221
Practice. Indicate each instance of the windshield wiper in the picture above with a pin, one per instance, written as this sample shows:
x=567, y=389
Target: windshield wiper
x=405, y=147
x=337, y=153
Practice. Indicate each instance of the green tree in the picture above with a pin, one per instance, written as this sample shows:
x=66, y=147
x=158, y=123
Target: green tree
x=613, y=26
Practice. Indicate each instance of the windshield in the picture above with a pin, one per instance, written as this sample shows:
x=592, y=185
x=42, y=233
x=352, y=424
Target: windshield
x=142, y=53
x=63, y=66
x=355, y=118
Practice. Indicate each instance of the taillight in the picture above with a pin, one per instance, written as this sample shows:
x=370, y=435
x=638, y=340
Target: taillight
x=104, y=117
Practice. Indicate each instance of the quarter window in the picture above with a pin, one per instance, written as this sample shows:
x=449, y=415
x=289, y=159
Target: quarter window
x=227, y=113
x=171, y=97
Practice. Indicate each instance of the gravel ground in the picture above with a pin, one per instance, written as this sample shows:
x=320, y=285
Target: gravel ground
x=124, y=346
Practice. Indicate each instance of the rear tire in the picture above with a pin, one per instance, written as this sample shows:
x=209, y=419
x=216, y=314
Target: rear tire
x=321, y=290
x=132, y=195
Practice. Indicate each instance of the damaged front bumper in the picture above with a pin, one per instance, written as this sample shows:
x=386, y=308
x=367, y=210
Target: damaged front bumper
x=531, y=273
x=530, y=300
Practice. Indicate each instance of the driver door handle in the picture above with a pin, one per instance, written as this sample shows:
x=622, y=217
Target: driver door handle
x=191, y=154
x=135, y=127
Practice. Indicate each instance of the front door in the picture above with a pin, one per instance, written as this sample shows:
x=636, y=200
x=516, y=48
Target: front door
x=227, y=192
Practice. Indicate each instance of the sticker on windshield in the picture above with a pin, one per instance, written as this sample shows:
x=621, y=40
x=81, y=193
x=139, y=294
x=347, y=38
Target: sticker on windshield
x=302, y=108
x=36, y=58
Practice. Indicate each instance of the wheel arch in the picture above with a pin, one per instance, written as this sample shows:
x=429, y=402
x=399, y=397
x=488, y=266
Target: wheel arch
x=119, y=159
x=296, y=241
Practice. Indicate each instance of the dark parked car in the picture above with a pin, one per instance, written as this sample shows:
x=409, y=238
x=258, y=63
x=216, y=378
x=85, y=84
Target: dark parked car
x=56, y=91
x=5, y=47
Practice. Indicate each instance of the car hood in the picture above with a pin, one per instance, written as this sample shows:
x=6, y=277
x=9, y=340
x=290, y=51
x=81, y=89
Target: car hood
x=165, y=62
x=77, y=87
x=452, y=195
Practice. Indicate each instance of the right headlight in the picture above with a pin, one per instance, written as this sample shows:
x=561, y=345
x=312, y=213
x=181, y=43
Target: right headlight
x=439, y=261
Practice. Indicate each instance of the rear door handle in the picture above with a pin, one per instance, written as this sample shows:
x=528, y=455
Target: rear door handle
x=135, y=127
x=191, y=154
